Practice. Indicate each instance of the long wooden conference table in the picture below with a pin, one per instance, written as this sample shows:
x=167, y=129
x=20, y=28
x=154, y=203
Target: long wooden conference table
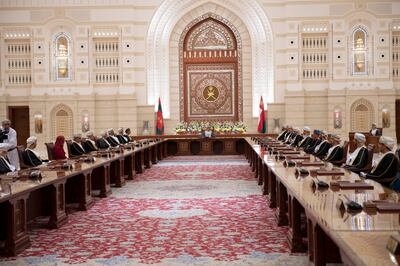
x=319, y=218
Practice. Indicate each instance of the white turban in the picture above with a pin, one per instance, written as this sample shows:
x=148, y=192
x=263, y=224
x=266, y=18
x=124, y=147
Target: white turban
x=387, y=141
x=296, y=129
x=89, y=134
x=359, y=137
x=103, y=133
x=31, y=140
x=110, y=130
x=77, y=135
x=323, y=132
x=335, y=136
x=307, y=129
x=121, y=130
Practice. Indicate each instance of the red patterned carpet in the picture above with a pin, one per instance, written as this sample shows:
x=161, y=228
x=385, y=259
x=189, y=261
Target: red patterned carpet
x=185, y=214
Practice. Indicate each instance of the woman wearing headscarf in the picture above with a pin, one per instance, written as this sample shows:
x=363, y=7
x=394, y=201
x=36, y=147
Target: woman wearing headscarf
x=58, y=150
x=29, y=155
x=384, y=169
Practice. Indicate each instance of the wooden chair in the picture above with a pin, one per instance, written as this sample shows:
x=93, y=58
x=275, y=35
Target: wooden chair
x=22, y=164
x=69, y=143
x=49, y=148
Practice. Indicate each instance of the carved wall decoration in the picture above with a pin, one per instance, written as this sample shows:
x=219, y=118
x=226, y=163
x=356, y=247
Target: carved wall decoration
x=361, y=115
x=210, y=70
x=61, y=117
x=337, y=118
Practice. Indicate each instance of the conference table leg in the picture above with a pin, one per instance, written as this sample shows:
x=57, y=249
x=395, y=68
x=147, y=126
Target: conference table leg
x=129, y=166
x=139, y=161
x=105, y=188
x=147, y=158
x=86, y=200
x=17, y=238
x=256, y=166
x=294, y=236
x=153, y=152
x=260, y=172
x=272, y=186
x=58, y=216
x=265, y=179
x=117, y=174
x=281, y=209
x=321, y=249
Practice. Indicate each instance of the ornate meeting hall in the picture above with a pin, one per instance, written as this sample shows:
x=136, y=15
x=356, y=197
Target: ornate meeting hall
x=199, y=132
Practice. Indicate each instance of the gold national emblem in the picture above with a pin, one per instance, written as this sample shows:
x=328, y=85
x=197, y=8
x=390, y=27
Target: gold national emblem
x=210, y=93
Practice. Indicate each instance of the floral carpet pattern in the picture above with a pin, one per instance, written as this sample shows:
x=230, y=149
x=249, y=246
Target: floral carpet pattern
x=179, y=212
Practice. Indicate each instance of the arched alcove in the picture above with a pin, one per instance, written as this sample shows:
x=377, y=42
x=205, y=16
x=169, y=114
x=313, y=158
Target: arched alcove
x=210, y=70
x=170, y=12
x=62, y=123
x=361, y=112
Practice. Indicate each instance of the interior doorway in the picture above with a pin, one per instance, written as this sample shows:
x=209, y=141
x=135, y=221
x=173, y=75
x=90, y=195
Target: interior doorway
x=19, y=116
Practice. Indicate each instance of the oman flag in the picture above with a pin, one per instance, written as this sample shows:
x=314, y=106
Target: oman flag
x=262, y=124
x=160, y=120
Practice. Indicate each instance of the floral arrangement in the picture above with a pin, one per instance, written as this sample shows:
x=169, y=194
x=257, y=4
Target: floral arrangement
x=217, y=126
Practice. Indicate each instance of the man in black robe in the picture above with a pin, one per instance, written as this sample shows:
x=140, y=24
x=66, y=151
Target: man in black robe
x=385, y=168
x=90, y=143
x=112, y=139
x=313, y=143
x=29, y=155
x=5, y=166
x=76, y=146
x=306, y=138
x=102, y=142
x=322, y=148
x=359, y=158
x=335, y=153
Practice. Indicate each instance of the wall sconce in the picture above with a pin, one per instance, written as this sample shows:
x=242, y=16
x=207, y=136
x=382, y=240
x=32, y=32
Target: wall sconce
x=385, y=118
x=85, y=121
x=337, y=119
x=38, y=119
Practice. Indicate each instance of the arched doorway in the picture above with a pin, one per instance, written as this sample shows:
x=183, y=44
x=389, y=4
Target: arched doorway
x=210, y=71
x=61, y=121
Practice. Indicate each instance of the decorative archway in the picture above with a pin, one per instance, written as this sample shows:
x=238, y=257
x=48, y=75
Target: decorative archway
x=210, y=70
x=253, y=16
x=361, y=112
x=62, y=124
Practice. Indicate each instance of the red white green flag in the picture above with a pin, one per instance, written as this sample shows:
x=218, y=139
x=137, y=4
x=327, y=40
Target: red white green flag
x=262, y=124
x=160, y=120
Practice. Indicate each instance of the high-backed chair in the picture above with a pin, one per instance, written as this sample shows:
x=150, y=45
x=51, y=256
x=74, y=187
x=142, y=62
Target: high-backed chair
x=69, y=143
x=22, y=164
x=49, y=148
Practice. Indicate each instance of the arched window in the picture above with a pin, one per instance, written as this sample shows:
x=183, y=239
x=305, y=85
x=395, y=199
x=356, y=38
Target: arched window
x=359, y=45
x=62, y=57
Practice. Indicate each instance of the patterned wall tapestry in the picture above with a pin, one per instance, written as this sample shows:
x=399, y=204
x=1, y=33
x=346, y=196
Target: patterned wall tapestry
x=211, y=90
x=210, y=70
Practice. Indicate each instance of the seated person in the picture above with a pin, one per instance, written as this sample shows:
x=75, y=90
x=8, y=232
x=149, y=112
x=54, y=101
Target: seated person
x=112, y=139
x=282, y=135
x=90, y=143
x=336, y=152
x=290, y=137
x=306, y=138
x=322, y=148
x=313, y=143
x=359, y=158
x=76, y=146
x=207, y=133
x=121, y=137
x=385, y=168
x=102, y=142
x=5, y=166
x=29, y=155
x=127, y=135
x=297, y=138
x=374, y=131
x=58, y=150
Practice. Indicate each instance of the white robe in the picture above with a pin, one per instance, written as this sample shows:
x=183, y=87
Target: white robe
x=9, y=144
